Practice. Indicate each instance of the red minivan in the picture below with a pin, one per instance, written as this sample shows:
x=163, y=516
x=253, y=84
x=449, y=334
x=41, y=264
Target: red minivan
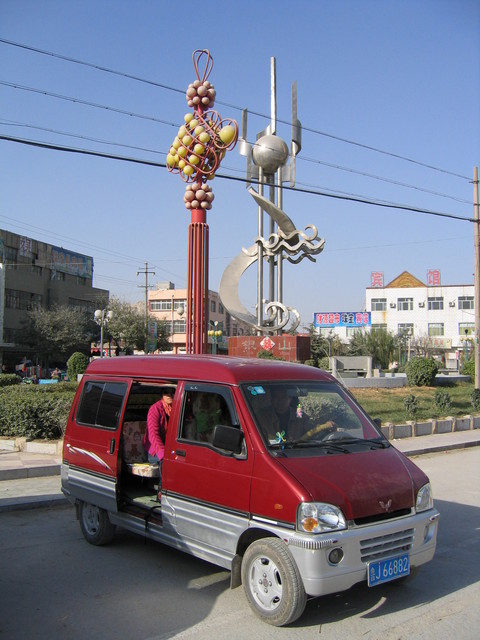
x=271, y=470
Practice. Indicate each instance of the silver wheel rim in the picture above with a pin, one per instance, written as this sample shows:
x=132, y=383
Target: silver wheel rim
x=91, y=519
x=265, y=583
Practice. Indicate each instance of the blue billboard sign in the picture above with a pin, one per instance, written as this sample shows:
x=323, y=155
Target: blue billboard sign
x=343, y=319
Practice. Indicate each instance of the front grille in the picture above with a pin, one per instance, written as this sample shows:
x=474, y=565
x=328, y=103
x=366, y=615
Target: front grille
x=387, y=545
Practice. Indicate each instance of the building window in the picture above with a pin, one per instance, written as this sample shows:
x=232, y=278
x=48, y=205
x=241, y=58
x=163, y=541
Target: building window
x=405, y=328
x=179, y=304
x=379, y=304
x=22, y=300
x=405, y=304
x=351, y=331
x=466, y=302
x=435, y=329
x=160, y=305
x=466, y=328
x=435, y=304
x=221, y=310
x=213, y=306
x=10, y=255
x=378, y=327
x=179, y=326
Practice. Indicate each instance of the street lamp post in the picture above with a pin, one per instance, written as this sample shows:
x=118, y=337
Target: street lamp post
x=101, y=317
x=214, y=333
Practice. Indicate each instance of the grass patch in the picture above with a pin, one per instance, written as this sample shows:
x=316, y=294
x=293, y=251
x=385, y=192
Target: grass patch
x=388, y=404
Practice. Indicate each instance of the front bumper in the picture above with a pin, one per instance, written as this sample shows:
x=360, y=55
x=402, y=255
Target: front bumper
x=415, y=535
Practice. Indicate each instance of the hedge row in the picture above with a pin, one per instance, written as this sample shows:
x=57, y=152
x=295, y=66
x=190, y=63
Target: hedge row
x=35, y=412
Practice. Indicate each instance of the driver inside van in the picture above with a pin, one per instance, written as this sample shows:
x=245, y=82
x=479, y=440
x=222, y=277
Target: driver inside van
x=284, y=419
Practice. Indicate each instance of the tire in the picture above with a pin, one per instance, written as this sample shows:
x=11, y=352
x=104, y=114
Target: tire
x=272, y=583
x=95, y=524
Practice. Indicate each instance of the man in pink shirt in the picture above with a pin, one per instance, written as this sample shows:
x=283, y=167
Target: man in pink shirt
x=157, y=422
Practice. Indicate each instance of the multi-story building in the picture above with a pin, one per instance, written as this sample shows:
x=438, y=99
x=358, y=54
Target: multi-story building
x=170, y=305
x=431, y=317
x=436, y=316
x=33, y=275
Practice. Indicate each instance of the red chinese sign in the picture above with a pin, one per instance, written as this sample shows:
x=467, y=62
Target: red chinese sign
x=377, y=279
x=433, y=277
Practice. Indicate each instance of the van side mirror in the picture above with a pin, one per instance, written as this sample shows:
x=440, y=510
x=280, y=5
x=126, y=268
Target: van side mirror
x=228, y=438
x=378, y=422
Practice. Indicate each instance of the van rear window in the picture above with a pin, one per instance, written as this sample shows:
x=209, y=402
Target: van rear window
x=101, y=404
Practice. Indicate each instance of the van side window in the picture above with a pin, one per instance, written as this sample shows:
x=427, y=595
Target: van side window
x=101, y=404
x=203, y=410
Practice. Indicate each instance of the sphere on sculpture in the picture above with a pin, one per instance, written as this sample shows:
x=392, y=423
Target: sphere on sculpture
x=270, y=152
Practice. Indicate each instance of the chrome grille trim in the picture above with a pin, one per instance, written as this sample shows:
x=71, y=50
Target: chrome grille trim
x=386, y=545
x=312, y=544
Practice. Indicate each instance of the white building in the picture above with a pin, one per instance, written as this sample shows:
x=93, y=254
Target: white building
x=435, y=315
x=431, y=317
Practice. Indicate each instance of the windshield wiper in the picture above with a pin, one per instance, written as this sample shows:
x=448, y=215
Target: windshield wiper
x=292, y=444
x=382, y=444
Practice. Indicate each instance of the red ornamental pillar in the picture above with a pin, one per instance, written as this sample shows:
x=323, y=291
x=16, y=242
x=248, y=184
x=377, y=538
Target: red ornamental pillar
x=195, y=154
x=197, y=282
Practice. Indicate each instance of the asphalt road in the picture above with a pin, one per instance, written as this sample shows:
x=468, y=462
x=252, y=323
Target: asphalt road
x=54, y=585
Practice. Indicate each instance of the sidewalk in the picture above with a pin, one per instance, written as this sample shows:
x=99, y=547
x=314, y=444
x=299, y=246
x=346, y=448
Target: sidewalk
x=32, y=480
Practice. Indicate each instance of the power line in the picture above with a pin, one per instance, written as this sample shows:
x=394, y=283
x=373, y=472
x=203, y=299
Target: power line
x=170, y=88
x=350, y=198
x=87, y=103
x=300, y=158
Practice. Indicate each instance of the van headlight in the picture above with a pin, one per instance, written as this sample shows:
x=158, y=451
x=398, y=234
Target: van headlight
x=319, y=517
x=424, y=498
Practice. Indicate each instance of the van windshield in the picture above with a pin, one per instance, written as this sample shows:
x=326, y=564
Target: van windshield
x=312, y=414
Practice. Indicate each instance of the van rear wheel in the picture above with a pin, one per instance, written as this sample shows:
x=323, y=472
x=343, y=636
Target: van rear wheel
x=272, y=582
x=95, y=524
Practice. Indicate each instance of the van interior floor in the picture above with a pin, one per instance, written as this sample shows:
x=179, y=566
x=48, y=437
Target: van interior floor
x=143, y=497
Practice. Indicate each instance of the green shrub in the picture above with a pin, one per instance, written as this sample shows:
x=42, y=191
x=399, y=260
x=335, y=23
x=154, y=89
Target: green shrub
x=267, y=355
x=321, y=410
x=411, y=406
x=468, y=368
x=310, y=363
x=324, y=363
x=441, y=400
x=9, y=379
x=475, y=398
x=35, y=411
x=76, y=365
x=421, y=372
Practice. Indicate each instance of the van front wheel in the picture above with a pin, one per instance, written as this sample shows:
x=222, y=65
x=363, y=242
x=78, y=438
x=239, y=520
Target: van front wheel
x=272, y=582
x=95, y=524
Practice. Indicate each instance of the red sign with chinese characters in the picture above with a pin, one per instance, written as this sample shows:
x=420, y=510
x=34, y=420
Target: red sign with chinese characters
x=377, y=279
x=433, y=277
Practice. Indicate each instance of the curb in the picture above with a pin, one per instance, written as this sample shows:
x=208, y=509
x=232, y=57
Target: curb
x=28, y=502
x=30, y=472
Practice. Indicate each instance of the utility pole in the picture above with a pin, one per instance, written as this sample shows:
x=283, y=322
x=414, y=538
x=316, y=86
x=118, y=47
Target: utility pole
x=146, y=287
x=477, y=277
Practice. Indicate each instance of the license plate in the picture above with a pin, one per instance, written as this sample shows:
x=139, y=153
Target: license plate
x=389, y=569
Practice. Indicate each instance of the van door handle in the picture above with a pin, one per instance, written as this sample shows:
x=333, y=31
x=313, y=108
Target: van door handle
x=112, y=445
x=180, y=452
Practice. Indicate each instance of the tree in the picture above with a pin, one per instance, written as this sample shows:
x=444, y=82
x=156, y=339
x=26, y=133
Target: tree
x=127, y=327
x=322, y=346
x=56, y=333
x=380, y=344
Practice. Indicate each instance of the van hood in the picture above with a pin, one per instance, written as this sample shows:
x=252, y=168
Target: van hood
x=361, y=484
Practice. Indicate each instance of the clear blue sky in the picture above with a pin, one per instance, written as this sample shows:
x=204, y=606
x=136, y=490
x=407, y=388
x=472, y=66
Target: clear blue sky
x=400, y=77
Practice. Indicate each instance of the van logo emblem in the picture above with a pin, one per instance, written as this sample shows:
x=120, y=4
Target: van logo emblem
x=385, y=505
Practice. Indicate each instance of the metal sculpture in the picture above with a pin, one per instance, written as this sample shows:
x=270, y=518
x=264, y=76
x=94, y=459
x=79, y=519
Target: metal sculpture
x=196, y=154
x=267, y=167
